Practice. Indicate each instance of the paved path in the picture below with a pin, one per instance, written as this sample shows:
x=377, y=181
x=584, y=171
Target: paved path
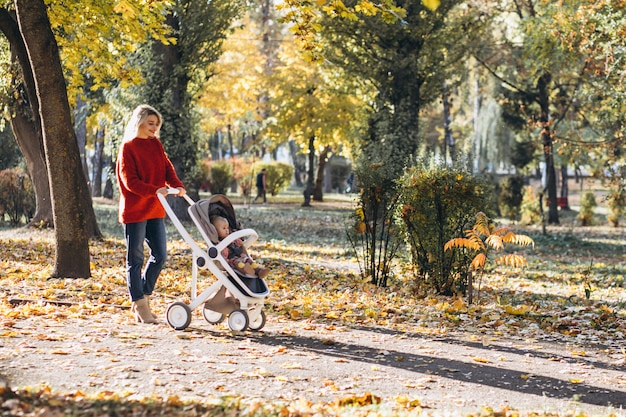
x=449, y=375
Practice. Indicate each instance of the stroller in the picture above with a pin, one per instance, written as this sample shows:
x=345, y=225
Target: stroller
x=234, y=296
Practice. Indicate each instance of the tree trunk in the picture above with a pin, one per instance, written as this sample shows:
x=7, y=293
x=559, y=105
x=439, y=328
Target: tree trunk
x=448, y=140
x=68, y=185
x=29, y=142
x=564, y=188
x=318, y=191
x=546, y=140
x=80, y=121
x=298, y=167
x=26, y=124
x=97, y=163
x=308, y=190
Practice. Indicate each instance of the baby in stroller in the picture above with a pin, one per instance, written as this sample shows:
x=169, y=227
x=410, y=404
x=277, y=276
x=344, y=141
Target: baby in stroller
x=236, y=253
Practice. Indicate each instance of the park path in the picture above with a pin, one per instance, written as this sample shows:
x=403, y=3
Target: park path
x=447, y=374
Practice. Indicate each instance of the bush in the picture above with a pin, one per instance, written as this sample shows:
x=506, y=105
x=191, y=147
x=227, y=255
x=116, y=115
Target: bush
x=17, y=198
x=510, y=198
x=530, y=210
x=616, y=202
x=587, y=204
x=242, y=169
x=375, y=235
x=277, y=177
x=221, y=177
x=438, y=204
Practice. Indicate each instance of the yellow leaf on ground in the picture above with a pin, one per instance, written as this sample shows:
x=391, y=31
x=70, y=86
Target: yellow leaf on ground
x=518, y=310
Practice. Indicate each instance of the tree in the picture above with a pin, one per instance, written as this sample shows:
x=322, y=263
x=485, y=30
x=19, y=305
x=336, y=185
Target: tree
x=174, y=73
x=67, y=183
x=94, y=50
x=549, y=60
x=318, y=108
x=25, y=120
x=230, y=100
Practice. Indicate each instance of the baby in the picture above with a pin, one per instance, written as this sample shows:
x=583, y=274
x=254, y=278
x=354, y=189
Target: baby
x=236, y=253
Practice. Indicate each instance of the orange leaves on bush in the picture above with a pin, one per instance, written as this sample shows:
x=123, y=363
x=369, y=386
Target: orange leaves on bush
x=484, y=236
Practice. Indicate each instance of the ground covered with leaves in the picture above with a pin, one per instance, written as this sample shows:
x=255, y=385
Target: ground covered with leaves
x=545, y=340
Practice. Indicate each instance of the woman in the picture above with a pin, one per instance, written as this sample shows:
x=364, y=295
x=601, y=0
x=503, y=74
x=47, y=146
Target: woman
x=143, y=170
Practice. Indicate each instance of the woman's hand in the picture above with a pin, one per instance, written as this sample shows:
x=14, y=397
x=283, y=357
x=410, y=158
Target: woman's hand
x=181, y=191
x=162, y=191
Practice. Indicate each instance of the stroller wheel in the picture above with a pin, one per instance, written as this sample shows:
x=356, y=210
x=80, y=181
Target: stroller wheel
x=213, y=317
x=238, y=321
x=178, y=315
x=258, y=322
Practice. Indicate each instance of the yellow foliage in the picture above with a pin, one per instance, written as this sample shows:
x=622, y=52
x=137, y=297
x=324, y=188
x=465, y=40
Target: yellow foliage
x=432, y=4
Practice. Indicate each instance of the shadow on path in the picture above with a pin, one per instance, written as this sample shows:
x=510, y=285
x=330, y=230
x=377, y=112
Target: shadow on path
x=476, y=373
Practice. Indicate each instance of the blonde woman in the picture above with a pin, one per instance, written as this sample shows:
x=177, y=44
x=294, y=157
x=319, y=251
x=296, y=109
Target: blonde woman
x=143, y=170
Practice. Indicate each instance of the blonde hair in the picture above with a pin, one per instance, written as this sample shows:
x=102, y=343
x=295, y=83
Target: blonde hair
x=139, y=116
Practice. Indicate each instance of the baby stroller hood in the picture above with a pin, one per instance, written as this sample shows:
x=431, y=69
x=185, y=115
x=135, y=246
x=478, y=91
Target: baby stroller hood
x=217, y=204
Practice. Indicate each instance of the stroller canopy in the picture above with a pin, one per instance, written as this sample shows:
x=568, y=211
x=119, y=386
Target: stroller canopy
x=215, y=205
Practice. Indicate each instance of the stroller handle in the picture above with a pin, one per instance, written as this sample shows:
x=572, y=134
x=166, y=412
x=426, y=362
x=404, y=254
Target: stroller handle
x=174, y=191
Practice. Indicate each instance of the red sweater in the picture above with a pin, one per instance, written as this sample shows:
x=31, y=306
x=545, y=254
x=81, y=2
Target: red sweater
x=142, y=168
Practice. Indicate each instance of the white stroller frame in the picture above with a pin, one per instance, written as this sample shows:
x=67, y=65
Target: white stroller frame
x=245, y=309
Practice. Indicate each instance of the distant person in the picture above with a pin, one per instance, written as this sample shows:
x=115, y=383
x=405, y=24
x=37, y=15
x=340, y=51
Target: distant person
x=350, y=182
x=143, y=170
x=261, y=186
x=236, y=253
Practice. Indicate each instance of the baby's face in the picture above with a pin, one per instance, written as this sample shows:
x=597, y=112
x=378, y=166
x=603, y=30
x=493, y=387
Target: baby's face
x=222, y=229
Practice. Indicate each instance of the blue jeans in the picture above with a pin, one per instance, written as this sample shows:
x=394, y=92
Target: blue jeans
x=151, y=231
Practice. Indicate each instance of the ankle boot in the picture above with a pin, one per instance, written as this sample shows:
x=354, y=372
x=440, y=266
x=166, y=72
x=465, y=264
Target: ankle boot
x=147, y=297
x=142, y=311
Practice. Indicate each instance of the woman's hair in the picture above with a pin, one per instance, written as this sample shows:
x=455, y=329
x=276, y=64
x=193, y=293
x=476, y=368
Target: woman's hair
x=140, y=114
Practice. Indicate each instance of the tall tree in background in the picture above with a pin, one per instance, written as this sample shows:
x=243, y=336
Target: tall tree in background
x=407, y=61
x=67, y=183
x=541, y=75
x=174, y=73
x=229, y=101
x=319, y=108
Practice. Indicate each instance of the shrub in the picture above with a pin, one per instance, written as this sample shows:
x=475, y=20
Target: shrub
x=438, y=204
x=221, y=177
x=587, y=204
x=242, y=171
x=277, y=177
x=483, y=239
x=17, y=198
x=616, y=202
x=529, y=209
x=510, y=198
x=375, y=234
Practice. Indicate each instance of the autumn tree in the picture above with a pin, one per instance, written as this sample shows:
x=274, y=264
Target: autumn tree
x=174, y=73
x=546, y=70
x=230, y=99
x=318, y=108
x=68, y=187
